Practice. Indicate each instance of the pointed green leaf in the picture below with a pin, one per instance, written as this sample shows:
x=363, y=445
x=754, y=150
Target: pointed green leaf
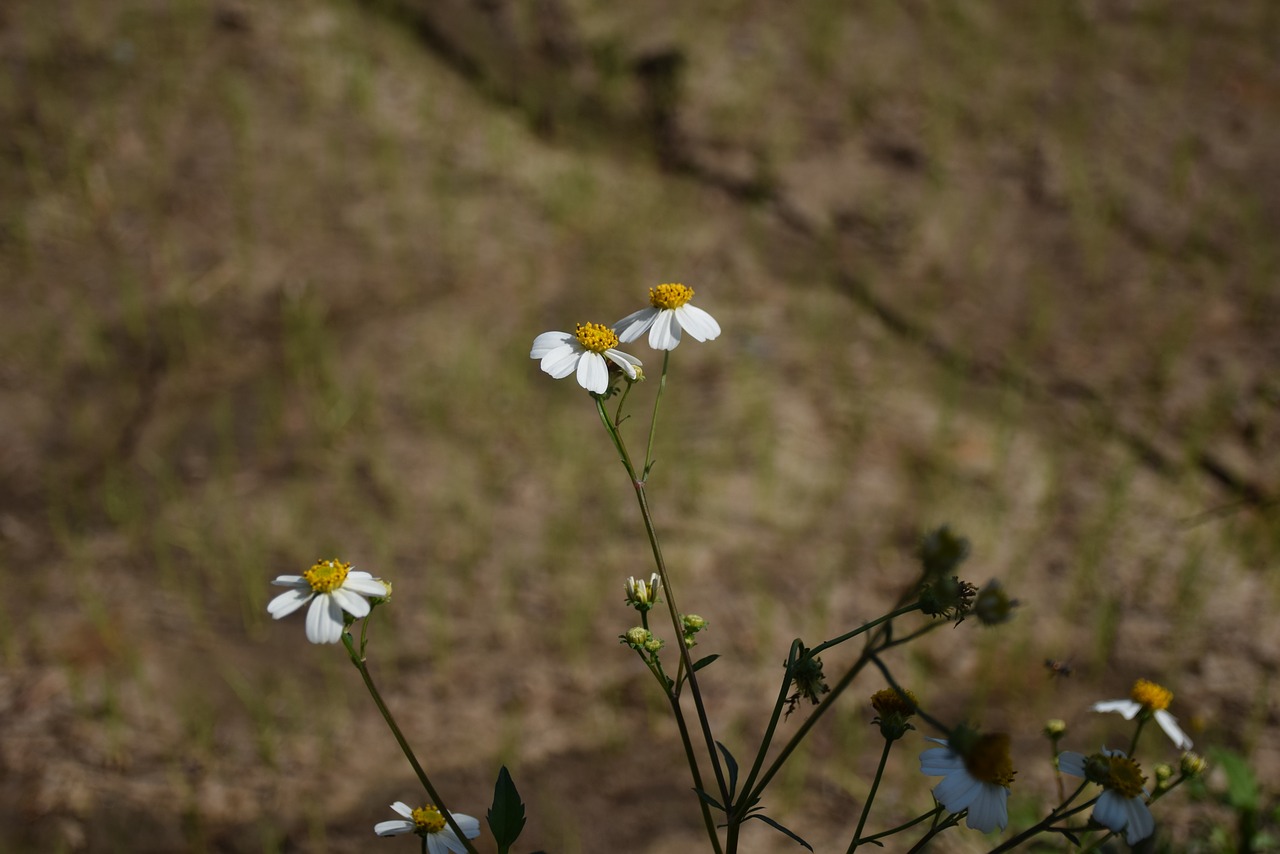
x=703, y=662
x=732, y=765
x=709, y=799
x=780, y=829
x=506, y=817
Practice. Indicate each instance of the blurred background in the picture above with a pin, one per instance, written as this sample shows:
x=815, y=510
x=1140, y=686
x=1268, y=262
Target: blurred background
x=271, y=272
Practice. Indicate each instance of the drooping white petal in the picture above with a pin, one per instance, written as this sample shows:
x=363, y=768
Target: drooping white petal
x=324, y=620
x=289, y=601
x=469, y=824
x=403, y=809
x=1070, y=762
x=990, y=809
x=1128, y=708
x=561, y=362
x=290, y=581
x=697, y=322
x=1116, y=812
x=548, y=341
x=957, y=790
x=393, y=828
x=593, y=374
x=1141, y=823
x=1169, y=724
x=351, y=602
x=938, y=761
x=364, y=584
x=665, y=332
x=623, y=360
x=634, y=325
x=445, y=842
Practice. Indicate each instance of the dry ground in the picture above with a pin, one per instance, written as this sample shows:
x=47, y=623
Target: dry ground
x=271, y=272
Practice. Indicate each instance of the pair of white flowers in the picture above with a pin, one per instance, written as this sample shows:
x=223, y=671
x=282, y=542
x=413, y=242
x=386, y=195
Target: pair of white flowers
x=977, y=770
x=584, y=351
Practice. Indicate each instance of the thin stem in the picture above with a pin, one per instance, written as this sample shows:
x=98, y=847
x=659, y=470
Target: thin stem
x=1057, y=814
x=436, y=800
x=933, y=813
x=653, y=423
x=951, y=821
x=796, y=647
x=915, y=606
x=871, y=796
x=1133, y=745
x=707, y=819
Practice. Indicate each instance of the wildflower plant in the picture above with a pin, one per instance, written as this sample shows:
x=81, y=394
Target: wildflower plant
x=976, y=766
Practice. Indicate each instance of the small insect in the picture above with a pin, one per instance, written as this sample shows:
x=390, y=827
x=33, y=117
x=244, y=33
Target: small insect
x=1058, y=668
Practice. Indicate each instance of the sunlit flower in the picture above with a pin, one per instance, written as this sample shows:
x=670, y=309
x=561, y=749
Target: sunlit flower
x=668, y=313
x=429, y=823
x=976, y=771
x=331, y=587
x=642, y=594
x=1149, y=700
x=584, y=351
x=1122, y=806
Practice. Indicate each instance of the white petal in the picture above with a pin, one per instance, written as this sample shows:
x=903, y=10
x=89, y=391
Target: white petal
x=324, y=620
x=548, y=341
x=444, y=842
x=1128, y=708
x=957, y=791
x=1140, y=823
x=351, y=602
x=634, y=325
x=593, y=374
x=403, y=808
x=939, y=761
x=288, y=602
x=393, y=828
x=365, y=586
x=665, y=333
x=1070, y=762
x=1110, y=811
x=561, y=362
x=989, y=809
x=1169, y=724
x=470, y=825
x=290, y=581
x=622, y=360
x=697, y=322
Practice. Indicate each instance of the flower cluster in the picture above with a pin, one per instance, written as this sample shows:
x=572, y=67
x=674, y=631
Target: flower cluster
x=589, y=350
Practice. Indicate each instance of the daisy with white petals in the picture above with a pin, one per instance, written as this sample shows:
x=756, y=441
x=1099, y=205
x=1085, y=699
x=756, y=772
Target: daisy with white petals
x=976, y=771
x=583, y=352
x=1122, y=807
x=1149, y=700
x=429, y=823
x=331, y=587
x=668, y=313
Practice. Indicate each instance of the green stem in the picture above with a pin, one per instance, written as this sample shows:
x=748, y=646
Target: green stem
x=951, y=821
x=915, y=606
x=871, y=796
x=707, y=818
x=436, y=800
x=796, y=647
x=653, y=423
x=933, y=813
x=1133, y=745
x=1057, y=814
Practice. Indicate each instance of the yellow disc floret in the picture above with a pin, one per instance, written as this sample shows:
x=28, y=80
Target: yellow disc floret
x=1125, y=776
x=888, y=701
x=596, y=337
x=326, y=576
x=1151, y=696
x=670, y=296
x=429, y=818
x=988, y=759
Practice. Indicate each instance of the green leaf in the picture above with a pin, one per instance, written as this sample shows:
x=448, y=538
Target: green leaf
x=780, y=828
x=732, y=765
x=709, y=799
x=506, y=817
x=703, y=662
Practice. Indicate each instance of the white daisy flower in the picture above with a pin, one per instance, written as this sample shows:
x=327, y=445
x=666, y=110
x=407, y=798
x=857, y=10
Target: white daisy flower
x=585, y=352
x=1149, y=700
x=976, y=771
x=331, y=587
x=429, y=823
x=1122, y=806
x=642, y=594
x=669, y=312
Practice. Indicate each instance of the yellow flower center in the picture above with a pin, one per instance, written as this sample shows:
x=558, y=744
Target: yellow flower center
x=888, y=701
x=326, y=576
x=1125, y=776
x=670, y=296
x=1151, y=696
x=988, y=759
x=429, y=818
x=596, y=337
